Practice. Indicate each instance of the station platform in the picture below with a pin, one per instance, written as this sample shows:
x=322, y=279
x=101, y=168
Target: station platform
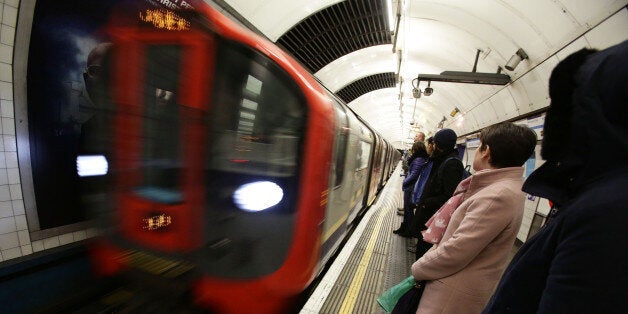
x=373, y=259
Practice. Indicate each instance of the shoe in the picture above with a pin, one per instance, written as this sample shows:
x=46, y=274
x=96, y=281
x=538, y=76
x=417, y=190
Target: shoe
x=401, y=229
x=402, y=233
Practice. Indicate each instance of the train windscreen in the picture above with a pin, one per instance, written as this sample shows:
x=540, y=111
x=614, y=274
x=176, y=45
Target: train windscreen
x=257, y=123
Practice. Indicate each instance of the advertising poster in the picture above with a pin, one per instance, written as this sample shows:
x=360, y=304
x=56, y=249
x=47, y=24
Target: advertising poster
x=64, y=33
x=530, y=166
x=536, y=124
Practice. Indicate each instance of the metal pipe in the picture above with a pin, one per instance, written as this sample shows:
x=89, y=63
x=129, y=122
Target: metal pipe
x=399, y=59
x=397, y=26
x=475, y=65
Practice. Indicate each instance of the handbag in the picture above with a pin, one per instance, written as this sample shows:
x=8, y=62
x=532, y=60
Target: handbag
x=397, y=298
x=409, y=302
x=390, y=297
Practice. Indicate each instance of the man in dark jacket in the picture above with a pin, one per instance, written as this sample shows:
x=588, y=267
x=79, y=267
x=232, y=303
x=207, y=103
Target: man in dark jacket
x=440, y=185
x=578, y=262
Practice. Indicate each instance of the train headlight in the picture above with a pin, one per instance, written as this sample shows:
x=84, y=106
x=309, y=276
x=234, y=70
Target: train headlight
x=257, y=196
x=91, y=165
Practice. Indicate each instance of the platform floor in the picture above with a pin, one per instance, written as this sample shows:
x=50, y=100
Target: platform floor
x=373, y=260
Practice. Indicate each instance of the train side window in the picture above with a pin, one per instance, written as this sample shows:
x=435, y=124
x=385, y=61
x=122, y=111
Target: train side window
x=364, y=154
x=340, y=148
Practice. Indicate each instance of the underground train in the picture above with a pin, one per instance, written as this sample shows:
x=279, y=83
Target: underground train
x=233, y=172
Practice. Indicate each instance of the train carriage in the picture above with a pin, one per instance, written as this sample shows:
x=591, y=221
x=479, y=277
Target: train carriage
x=233, y=170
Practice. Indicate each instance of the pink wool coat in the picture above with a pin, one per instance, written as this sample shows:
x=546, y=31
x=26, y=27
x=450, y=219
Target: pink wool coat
x=464, y=268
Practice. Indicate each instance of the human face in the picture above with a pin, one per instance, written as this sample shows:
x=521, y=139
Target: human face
x=429, y=148
x=482, y=158
x=419, y=137
x=93, y=71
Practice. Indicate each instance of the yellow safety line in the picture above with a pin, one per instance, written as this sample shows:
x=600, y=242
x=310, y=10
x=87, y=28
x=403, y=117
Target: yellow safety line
x=354, y=288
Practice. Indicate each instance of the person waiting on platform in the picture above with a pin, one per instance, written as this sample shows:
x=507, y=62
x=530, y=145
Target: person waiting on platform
x=405, y=164
x=578, y=262
x=419, y=137
x=475, y=230
x=423, y=176
x=417, y=160
x=444, y=176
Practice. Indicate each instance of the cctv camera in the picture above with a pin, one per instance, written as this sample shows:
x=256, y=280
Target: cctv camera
x=411, y=122
x=428, y=91
x=416, y=93
x=515, y=59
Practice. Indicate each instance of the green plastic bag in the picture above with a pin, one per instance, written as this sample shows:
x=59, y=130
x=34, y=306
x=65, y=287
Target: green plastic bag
x=389, y=298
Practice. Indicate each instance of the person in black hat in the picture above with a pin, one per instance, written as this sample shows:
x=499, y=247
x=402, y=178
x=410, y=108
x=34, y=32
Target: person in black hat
x=445, y=175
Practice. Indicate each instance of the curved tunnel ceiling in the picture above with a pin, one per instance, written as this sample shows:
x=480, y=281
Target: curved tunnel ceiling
x=336, y=31
x=366, y=85
x=348, y=45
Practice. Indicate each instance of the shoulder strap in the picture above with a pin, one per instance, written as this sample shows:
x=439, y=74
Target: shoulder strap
x=442, y=165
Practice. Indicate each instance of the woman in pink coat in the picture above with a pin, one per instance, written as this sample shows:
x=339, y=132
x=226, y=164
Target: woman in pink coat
x=475, y=230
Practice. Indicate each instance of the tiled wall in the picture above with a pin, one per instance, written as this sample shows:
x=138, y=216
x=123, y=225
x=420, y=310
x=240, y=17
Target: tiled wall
x=15, y=238
x=14, y=235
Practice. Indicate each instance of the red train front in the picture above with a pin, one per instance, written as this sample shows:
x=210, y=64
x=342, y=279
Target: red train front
x=220, y=160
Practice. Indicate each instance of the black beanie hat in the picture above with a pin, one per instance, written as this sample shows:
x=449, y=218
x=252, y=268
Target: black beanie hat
x=445, y=139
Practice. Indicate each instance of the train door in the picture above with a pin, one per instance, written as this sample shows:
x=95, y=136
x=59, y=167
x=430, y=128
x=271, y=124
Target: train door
x=382, y=163
x=386, y=163
x=375, y=170
x=340, y=186
x=161, y=103
x=358, y=162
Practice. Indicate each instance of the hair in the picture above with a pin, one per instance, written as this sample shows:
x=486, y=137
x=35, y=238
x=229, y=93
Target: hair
x=430, y=140
x=419, y=150
x=562, y=85
x=511, y=144
x=420, y=133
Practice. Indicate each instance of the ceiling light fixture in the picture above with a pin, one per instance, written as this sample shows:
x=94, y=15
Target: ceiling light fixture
x=472, y=77
x=391, y=23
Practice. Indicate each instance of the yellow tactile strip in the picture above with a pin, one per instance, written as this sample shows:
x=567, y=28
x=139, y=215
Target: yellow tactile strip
x=363, y=277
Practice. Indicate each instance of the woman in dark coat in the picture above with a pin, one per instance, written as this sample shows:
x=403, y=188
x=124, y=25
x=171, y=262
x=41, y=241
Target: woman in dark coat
x=416, y=162
x=578, y=262
x=441, y=183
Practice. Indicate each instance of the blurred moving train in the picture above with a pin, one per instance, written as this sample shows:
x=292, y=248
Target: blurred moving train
x=231, y=169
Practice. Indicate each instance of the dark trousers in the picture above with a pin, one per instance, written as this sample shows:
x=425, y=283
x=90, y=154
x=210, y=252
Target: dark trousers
x=408, y=209
x=421, y=248
x=420, y=219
